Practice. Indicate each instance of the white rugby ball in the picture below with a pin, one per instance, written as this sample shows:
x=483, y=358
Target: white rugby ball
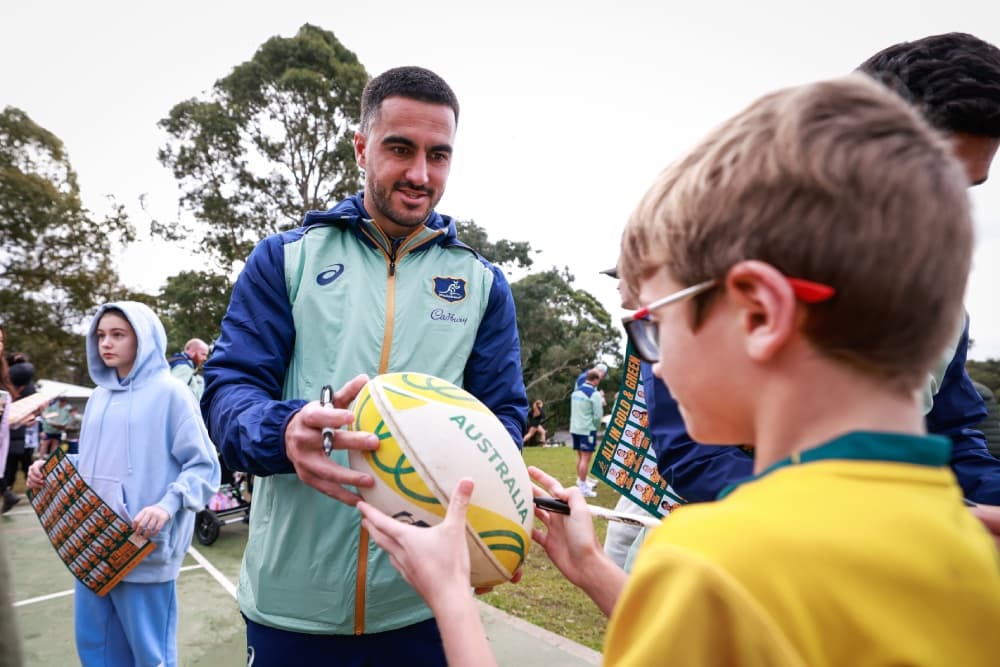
x=432, y=434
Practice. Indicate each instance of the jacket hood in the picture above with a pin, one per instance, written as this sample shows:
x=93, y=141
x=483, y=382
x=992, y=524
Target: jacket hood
x=351, y=210
x=150, y=357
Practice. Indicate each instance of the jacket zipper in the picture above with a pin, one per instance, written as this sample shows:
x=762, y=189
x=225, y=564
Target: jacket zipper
x=383, y=366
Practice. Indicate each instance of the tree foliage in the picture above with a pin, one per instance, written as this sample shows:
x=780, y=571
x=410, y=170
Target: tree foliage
x=191, y=305
x=986, y=372
x=563, y=331
x=274, y=140
x=56, y=261
x=502, y=252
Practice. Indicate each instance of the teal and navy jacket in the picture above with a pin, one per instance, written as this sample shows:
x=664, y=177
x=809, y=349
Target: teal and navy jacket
x=318, y=305
x=585, y=410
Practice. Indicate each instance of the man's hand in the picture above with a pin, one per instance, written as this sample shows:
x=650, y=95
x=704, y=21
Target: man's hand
x=304, y=444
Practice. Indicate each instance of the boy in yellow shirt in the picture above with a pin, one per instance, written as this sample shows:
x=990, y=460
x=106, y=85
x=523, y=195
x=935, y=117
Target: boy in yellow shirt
x=801, y=270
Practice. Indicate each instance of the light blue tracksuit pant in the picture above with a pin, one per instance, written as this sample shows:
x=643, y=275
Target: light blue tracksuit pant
x=133, y=625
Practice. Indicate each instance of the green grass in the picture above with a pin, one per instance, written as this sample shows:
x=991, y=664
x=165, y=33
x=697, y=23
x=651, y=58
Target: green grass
x=543, y=596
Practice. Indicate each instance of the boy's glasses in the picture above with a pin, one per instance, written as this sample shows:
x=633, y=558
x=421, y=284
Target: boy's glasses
x=644, y=333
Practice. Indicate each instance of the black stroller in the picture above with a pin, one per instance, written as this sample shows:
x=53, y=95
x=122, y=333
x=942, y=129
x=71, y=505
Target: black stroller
x=230, y=504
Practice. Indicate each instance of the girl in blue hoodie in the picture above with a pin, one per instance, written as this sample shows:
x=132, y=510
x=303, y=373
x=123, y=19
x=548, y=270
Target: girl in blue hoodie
x=144, y=449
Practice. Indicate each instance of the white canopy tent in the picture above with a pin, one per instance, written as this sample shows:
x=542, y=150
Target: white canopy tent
x=76, y=394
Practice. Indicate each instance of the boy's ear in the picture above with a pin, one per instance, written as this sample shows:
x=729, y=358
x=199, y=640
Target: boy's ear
x=767, y=307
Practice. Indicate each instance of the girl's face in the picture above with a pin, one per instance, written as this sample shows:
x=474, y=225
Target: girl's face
x=116, y=343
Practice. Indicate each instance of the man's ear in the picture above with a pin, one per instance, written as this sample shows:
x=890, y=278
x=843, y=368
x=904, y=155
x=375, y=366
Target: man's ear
x=360, y=145
x=767, y=307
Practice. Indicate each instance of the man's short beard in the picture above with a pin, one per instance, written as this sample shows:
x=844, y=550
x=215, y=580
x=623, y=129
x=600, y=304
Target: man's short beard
x=383, y=202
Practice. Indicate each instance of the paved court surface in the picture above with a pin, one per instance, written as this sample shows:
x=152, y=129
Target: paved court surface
x=210, y=630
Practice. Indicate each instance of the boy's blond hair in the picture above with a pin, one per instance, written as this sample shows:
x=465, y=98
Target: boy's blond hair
x=839, y=182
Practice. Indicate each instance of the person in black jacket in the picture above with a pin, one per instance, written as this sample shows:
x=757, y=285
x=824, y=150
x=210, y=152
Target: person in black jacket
x=536, y=415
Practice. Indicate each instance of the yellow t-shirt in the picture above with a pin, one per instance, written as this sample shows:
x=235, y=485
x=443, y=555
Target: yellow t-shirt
x=863, y=556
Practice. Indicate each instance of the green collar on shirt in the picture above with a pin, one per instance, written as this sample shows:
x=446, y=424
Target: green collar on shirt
x=926, y=450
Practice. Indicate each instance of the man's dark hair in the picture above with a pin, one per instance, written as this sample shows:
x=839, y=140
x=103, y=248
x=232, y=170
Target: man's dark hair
x=954, y=79
x=414, y=83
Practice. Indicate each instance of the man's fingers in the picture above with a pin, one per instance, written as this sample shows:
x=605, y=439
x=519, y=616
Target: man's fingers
x=307, y=425
x=315, y=416
x=355, y=440
x=330, y=478
x=334, y=490
x=342, y=397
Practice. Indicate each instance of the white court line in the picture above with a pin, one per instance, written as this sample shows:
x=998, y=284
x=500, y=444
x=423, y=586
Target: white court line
x=43, y=598
x=20, y=512
x=62, y=594
x=211, y=569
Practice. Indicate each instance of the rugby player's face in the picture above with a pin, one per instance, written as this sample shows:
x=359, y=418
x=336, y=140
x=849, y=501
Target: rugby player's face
x=406, y=155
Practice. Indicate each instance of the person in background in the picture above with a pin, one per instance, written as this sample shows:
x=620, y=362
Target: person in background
x=10, y=643
x=145, y=451
x=73, y=430
x=9, y=499
x=54, y=422
x=185, y=365
x=601, y=369
x=535, y=418
x=586, y=411
x=22, y=377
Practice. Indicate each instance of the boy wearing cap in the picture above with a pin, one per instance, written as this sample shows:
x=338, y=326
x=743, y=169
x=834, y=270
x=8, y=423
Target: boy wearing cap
x=797, y=323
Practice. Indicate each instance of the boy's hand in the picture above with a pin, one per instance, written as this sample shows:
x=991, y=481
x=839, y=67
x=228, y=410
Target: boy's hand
x=150, y=520
x=36, y=480
x=569, y=540
x=304, y=444
x=435, y=561
x=572, y=545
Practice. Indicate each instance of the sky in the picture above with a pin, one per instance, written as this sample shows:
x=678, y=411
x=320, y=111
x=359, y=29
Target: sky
x=569, y=108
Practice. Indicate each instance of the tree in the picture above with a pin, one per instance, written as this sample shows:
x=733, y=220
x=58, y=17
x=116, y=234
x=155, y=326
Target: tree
x=987, y=372
x=563, y=331
x=503, y=252
x=191, y=305
x=274, y=140
x=56, y=262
